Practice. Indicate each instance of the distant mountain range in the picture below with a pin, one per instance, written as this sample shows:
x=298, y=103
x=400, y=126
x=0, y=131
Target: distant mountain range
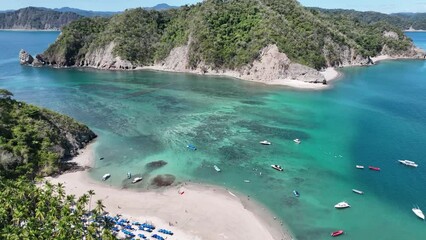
x=54, y=19
x=32, y=18
x=85, y=13
x=36, y=18
x=161, y=7
x=402, y=20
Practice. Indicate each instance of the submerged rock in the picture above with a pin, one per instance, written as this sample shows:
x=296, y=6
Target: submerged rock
x=163, y=180
x=155, y=165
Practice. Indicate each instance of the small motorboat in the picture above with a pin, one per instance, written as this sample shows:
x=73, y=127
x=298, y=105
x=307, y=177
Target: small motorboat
x=216, y=168
x=264, y=142
x=357, y=191
x=374, y=168
x=342, y=205
x=296, y=193
x=138, y=179
x=277, y=167
x=418, y=212
x=191, y=147
x=408, y=163
x=337, y=233
x=246, y=181
x=106, y=176
x=359, y=166
x=129, y=175
x=298, y=141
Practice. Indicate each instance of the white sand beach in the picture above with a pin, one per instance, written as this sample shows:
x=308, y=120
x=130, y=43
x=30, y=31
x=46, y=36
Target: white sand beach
x=330, y=74
x=201, y=212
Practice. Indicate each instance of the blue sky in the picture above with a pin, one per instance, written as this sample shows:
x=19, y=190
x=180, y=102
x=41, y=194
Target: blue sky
x=387, y=6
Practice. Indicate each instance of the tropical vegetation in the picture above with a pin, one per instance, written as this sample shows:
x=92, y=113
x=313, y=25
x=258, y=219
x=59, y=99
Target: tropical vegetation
x=226, y=34
x=403, y=21
x=33, y=144
x=36, y=141
x=46, y=212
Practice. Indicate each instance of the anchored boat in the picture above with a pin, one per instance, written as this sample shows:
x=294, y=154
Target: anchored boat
x=342, y=205
x=298, y=141
x=191, y=147
x=337, y=233
x=138, y=179
x=374, y=168
x=277, y=167
x=418, y=212
x=408, y=163
x=106, y=176
x=216, y=168
x=357, y=191
x=265, y=142
x=296, y=193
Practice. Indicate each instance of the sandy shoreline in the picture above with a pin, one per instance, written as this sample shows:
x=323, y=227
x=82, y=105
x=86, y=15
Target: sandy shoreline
x=202, y=212
x=329, y=74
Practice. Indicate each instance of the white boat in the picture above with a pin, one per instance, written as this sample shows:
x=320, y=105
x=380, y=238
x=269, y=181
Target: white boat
x=408, y=163
x=342, y=205
x=264, y=142
x=106, y=176
x=138, y=179
x=359, y=166
x=277, y=167
x=357, y=191
x=418, y=212
x=246, y=181
x=298, y=141
x=216, y=168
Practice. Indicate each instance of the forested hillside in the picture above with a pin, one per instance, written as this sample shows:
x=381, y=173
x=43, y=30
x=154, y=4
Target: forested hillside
x=403, y=21
x=33, y=18
x=227, y=34
x=35, y=141
x=415, y=20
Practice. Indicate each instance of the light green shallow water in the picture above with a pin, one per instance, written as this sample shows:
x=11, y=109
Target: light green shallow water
x=373, y=116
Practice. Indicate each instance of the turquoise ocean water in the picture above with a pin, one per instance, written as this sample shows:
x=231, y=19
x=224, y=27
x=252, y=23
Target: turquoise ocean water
x=372, y=116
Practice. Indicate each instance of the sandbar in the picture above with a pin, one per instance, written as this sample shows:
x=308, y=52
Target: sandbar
x=201, y=212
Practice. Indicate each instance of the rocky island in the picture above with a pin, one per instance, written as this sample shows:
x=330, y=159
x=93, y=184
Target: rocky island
x=267, y=41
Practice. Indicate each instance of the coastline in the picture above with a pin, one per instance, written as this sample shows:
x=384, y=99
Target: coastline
x=387, y=57
x=330, y=74
x=414, y=30
x=30, y=30
x=184, y=214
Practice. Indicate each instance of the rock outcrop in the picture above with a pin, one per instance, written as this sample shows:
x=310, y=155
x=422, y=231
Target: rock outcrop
x=273, y=64
x=270, y=66
x=103, y=58
x=25, y=58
